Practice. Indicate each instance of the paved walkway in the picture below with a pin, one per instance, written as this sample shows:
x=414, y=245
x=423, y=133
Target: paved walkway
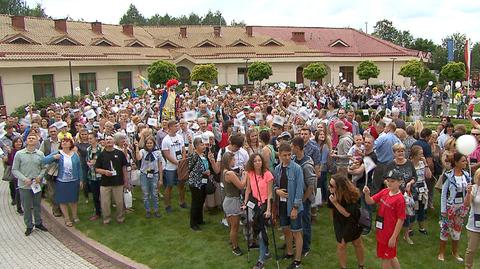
x=39, y=250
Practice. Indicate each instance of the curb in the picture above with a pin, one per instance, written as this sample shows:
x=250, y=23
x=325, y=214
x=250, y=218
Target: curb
x=107, y=254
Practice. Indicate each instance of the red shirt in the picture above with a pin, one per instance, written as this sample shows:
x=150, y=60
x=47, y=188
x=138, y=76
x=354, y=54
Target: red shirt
x=391, y=209
x=334, y=133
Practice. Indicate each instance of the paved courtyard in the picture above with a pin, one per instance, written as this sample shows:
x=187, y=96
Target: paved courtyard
x=39, y=250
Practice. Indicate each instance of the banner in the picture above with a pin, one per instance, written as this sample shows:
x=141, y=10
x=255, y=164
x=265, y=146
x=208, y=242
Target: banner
x=450, y=50
x=467, y=59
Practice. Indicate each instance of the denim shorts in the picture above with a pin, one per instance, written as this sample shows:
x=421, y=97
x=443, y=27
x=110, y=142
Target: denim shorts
x=170, y=178
x=295, y=224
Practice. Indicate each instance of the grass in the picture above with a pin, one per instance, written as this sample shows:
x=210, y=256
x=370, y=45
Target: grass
x=168, y=242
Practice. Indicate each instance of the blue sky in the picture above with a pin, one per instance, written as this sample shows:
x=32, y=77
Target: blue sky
x=423, y=18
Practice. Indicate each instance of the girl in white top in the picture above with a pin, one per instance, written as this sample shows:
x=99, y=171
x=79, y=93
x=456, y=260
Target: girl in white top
x=472, y=200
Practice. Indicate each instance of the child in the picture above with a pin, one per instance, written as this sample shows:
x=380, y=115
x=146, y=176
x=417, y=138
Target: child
x=356, y=152
x=390, y=218
x=410, y=216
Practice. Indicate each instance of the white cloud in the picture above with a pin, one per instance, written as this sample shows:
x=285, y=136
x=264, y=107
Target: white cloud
x=428, y=19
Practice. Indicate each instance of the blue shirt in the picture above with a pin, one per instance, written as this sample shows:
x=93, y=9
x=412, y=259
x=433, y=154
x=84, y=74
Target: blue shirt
x=312, y=150
x=383, y=147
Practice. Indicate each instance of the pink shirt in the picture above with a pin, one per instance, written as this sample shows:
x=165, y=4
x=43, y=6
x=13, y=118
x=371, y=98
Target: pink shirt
x=262, y=185
x=475, y=155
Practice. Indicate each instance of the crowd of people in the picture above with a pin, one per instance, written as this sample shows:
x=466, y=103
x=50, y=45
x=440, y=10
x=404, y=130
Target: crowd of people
x=268, y=157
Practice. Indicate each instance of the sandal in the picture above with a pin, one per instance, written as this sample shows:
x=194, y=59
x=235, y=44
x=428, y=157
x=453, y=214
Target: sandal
x=68, y=223
x=75, y=220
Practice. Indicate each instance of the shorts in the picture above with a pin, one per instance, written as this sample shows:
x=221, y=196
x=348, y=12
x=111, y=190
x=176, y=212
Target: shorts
x=295, y=225
x=386, y=253
x=231, y=206
x=170, y=178
x=408, y=220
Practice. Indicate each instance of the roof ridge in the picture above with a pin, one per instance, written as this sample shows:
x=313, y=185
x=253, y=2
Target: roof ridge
x=385, y=42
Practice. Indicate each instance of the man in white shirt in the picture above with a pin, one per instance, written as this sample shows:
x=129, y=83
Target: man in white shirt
x=239, y=153
x=173, y=149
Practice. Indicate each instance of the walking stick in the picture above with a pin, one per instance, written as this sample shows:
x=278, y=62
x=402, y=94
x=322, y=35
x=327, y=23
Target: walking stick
x=248, y=238
x=274, y=242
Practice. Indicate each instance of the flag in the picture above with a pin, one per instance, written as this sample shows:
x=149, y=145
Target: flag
x=144, y=83
x=450, y=50
x=467, y=58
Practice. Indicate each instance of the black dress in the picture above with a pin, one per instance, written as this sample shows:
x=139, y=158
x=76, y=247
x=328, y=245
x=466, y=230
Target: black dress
x=345, y=228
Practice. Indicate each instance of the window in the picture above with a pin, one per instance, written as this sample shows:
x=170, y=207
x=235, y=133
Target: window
x=43, y=86
x=242, y=76
x=347, y=72
x=124, y=80
x=66, y=42
x=88, y=83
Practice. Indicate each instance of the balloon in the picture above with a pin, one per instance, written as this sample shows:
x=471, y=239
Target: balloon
x=430, y=83
x=458, y=84
x=466, y=144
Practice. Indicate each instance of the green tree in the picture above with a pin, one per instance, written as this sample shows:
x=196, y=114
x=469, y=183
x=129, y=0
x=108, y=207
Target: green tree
x=425, y=77
x=439, y=58
x=475, y=64
x=315, y=71
x=161, y=71
x=404, y=39
x=20, y=7
x=204, y=72
x=423, y=45
x=453, y=71
x=458, y=46
x=259, y=71
x=412, y=69
x=133, y=16
x=214, y=18
x=367, y=70
x=385, y=30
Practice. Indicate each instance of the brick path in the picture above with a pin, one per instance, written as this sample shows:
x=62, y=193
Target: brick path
x=39, y=250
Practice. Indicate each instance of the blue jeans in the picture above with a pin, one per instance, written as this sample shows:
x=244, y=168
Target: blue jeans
x=307, y=225
x=262, y=247
x=368, y=207
x=149, y=189
x=322, y=183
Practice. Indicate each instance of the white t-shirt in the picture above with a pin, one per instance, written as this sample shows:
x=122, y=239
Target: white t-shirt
x=241, y=157
x=175, y=145
x=67, y=167
x=473, y=224
x=151, y=165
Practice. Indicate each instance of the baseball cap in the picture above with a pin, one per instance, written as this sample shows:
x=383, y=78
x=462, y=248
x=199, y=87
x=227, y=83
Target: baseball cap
x=285, y=135
x=394, y=174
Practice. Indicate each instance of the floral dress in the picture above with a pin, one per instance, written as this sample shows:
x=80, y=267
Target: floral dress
x=452, y=203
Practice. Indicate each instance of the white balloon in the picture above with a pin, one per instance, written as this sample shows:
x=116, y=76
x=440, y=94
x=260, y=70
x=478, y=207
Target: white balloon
x=458, y=84
x=430, y=83
x=466, y=144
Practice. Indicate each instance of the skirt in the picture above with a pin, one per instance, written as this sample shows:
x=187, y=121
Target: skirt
x=231, y=206
x=67, y=192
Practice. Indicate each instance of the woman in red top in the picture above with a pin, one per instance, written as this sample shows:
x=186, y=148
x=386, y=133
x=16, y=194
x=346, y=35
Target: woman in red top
x=259, y=186
x=227, y=130
x=390, y=218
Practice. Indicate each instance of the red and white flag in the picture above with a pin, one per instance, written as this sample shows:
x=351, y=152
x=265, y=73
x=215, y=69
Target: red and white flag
x=467, y=58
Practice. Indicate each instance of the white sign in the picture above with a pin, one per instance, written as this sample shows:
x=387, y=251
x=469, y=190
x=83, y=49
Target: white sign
x=90, y=114
x=95, y=103
x=125, y=90
x=190, y=115
x=152, y=121
x=240, y=116
x=365, y=112
x=278, y=120
x=115, y=109
x=117, y=97
x=130, y=127
x=149, y=92
x=282, y=85
x=88, y=101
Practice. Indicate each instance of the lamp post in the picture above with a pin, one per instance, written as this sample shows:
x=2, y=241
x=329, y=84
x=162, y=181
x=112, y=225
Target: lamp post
x=393, y=67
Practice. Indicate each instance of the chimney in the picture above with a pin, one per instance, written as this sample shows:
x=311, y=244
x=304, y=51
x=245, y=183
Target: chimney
x=97, y=27
x=298, y=36
x=18, y=22
x=249, y=30
x=217, y=30
x=183, y=32
x=61, y=25
x=128, y=29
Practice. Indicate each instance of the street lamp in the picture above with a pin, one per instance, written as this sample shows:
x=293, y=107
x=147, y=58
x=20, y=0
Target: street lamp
x=246, y=71
x=393, y=68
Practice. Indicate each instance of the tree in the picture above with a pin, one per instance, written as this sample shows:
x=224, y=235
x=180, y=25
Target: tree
x=214, y=18
x=385, y=30
x=315, y=71
x=439, y=58
x=204, y=72
x=453, y=71
x=404, y=39
x=133, y=16
x=19, y=7
x=367, y=70
x=412, y=69
x=259, y=71
x=475, y=64
x=423, y=44
x=425, y=77
x=458, y=46
x=161, y=71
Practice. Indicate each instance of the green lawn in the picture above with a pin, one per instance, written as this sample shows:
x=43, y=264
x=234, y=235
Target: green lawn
x=168, y=242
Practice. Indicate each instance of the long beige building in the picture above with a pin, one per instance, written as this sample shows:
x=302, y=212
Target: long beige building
x=36, y=54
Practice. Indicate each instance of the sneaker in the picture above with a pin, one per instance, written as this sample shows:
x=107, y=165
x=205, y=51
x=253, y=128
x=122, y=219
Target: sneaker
x=268, y=256
x=305, y=252
x=148, y=215
x=259, y=265
x=168, y=209
x=196, y=228
x=253, y=246
x=28, y=231
x=224, y=222
x=41, y=228
x=287, y=256
x=94, y=218
x=295, y=264
x=237, y=251
x=408, y=240
x=184, y=205
x=424, y=232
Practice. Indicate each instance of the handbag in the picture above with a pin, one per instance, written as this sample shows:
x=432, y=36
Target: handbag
x=210, y=188
x=135, y=177
x=7, y=173
x=127, y=199
x=183, y=169
x=318, y=198
x=365, y=220
x=52, y=169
